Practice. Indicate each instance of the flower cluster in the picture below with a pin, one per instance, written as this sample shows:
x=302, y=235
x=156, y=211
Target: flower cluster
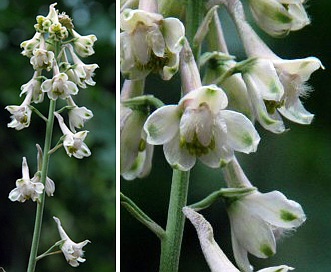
x=49, y=50
x=218, y=112
x=54, y=51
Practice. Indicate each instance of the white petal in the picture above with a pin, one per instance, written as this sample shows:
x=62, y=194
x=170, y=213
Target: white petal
x=197, y=122
x=215, y=257
x=302, y=67
x=276, y=209
x=281, y=268
x=130, y=18
x=297, y=113
x=212, y=95
x=300, y=17
x=252, y=233
x=178, y=157
x=260, y=110
x=131, y=129
x=15, y=194
x=140, y=46
x=156, y=42
x=240, y=254
x=162, y=125
x=266, y=80
x=173, y=32
x=241, y=134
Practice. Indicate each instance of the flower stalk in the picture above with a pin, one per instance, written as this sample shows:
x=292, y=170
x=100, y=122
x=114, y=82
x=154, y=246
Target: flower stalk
x=171, y=243
x=41, y=203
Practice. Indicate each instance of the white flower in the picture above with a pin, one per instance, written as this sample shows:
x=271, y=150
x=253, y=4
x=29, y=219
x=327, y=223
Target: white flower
x=34, y=86
x=42, y=59
x=83, y=73
x=21, y=115
x=73, y=142
x=216, y=259
x=59, y=87
x=30, y=45
x=49, y=184
x=282, y=93
x=136, y=154
x=279, y=17
x=84, y=44
x=200, y=127
x=25, y=187
x=294, y=74
x=257, y=220
x=149, y=43
x=72, y=251
x=77, y=115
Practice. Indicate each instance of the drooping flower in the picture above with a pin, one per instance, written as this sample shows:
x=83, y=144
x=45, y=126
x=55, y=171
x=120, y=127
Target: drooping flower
x=279, y=17
x=200, y=127
x=30, y=45
x=83, y=73
x=215, y=257
x=150, y=42
x=25, y=187
x=83, y=44
x=73, y=142
x=257, y=220
x=34, y=86
x=21, y=115
x=73, y=252
x=77, y=115
x=293, y=75
x=42, y=59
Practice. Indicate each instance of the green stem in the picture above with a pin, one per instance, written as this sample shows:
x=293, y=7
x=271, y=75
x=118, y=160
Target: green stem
x=41, y=203
x=136, y=212
x=171, y=243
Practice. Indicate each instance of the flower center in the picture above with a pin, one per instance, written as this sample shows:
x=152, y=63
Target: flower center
x=196, y=148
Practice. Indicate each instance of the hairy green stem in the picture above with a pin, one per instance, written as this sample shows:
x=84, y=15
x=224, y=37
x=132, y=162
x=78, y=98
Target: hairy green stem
x=41, y=202
x=171, y=242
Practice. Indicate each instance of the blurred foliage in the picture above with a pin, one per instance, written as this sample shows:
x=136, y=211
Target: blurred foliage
x=295, y=163
x=84, y=199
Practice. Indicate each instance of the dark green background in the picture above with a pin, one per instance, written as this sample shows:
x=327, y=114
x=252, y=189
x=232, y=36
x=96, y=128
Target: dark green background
x=296, y=163
x=84, y=199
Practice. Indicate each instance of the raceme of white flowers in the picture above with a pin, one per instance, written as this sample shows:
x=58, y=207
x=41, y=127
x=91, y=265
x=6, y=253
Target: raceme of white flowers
x=55, y=53
x=217, y=116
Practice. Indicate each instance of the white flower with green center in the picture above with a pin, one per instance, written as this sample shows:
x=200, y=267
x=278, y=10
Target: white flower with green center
x=21, y=115
x=279, y=17
x=257, y=220
x=215, y=257
x=59, y=87
x=149, y=42
x=25, y=187
x=73, y=252
x=73, y=142
x=200, y=127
